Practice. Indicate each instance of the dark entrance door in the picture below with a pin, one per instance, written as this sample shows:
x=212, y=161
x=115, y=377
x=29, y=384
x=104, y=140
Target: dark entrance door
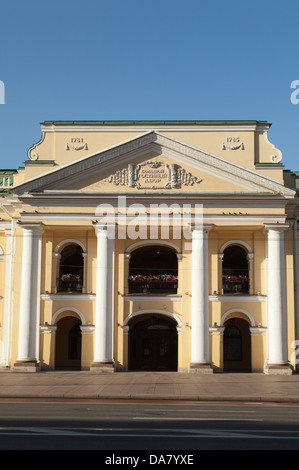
x=153, y=345
x=237, y=346
x=68, y=344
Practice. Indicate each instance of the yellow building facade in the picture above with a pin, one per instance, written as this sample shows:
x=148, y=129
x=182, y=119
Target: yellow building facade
x=150, y=245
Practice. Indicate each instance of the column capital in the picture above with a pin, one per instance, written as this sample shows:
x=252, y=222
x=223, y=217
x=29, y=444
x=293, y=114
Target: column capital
x=8, y=231
x=276, y=227
x=104, y=230
x=204, y=228
x=33, y=226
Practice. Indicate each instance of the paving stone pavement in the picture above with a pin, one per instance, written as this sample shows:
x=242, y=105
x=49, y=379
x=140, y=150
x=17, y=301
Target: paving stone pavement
x=149, y=386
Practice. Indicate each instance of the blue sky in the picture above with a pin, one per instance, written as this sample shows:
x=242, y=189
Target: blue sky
x=153, y=60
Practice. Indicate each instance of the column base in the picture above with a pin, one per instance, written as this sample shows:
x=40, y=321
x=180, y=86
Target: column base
x=26, y=366
x=102, y=367
x=200, y=368
x=278, y=369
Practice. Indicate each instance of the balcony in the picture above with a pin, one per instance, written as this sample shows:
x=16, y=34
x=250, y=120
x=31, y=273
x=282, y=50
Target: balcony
x=153, y=270
x=235, y=282
x=71, y=283
x=71, y=270
x=145, y=282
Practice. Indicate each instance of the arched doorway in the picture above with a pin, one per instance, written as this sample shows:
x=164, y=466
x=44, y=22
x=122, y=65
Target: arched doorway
x=153, y=344
x=153, y=270
x=236, y=346
x=68, y=344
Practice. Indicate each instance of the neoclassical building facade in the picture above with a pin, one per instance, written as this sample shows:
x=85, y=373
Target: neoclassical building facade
x=150, y=245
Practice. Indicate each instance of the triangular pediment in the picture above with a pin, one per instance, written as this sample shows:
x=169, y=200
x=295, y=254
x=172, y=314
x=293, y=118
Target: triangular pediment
x=153, y=161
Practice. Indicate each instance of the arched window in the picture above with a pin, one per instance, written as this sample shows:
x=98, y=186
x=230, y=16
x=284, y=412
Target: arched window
x=153, y=269
x=71, y=269
x=235, y=273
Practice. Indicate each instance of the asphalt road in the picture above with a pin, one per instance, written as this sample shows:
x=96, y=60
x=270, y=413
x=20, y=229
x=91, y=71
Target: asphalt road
x=129, y=428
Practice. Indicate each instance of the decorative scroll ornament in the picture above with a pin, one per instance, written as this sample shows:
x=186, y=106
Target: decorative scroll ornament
x=153, y=175
x=80, y=147
x=276, y=158
x=233, y=147
x=34, y=155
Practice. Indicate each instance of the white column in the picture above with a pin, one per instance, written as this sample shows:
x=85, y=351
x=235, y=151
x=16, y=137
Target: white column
x=7, y=296
x=103, y=352
x=276, y=300
x=200, y=302
x=30, y=298
x=296, y=247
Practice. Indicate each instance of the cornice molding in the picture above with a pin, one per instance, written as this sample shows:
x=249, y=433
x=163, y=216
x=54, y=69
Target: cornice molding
x=159, y=126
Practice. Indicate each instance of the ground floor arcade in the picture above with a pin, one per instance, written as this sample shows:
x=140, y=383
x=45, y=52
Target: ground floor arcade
x=151, y=305
x=153, y=342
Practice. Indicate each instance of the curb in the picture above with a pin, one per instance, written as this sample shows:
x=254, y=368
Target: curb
x=203, y=398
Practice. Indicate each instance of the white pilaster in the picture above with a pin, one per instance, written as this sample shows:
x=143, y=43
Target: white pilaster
x=7, y=296
x=103, y=352
x=29, y=300
x=250, y=259
x=296, y=245
x=276, y=300
x=200, y=361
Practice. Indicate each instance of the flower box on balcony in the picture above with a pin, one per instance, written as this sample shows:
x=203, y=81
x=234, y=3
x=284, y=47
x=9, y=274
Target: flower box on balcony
x=70, y=278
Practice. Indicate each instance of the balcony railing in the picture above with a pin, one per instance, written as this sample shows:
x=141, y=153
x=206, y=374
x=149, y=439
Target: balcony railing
x=153, y=282
x=235, y=282
x=69, y=283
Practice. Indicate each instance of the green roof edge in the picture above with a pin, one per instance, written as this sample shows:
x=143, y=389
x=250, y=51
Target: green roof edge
x=159, y=122
x=39, y=162
x=268, y=165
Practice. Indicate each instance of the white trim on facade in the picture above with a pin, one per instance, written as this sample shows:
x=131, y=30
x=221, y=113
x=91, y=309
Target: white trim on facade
x=69, y=241
x=237, y=310
x=236, y=242
x=68, y=309
x=143, y=243
x=153, y=311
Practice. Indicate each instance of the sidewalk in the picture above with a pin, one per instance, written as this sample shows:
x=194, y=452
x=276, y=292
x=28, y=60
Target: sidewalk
x=149, y=386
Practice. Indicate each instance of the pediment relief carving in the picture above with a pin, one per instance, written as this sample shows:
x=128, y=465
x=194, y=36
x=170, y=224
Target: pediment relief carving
x=153, y=175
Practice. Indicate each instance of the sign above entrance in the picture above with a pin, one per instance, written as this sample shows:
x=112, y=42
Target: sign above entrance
x=153, y=175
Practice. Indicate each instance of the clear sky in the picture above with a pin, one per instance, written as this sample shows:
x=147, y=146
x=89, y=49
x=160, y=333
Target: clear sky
x=147, y=60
